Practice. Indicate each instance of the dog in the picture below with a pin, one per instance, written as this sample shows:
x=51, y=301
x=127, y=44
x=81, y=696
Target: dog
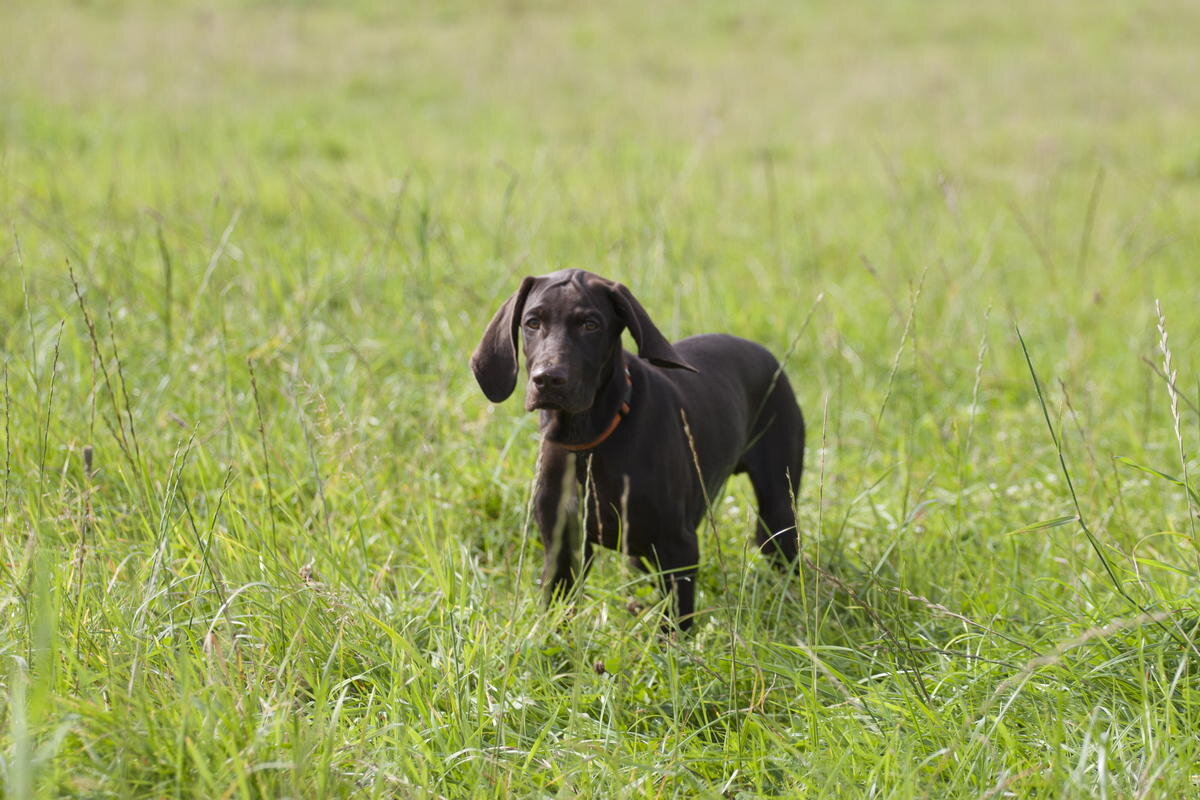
x=635, y=448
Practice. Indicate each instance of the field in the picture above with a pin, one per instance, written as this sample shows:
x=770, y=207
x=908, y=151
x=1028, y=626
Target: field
x=262, y=536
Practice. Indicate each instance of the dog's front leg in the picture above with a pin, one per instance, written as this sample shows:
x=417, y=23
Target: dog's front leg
x=556, y=511
x=675, y=563
x=679, y=584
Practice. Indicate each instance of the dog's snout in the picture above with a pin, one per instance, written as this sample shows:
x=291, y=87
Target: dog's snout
x=549, y=377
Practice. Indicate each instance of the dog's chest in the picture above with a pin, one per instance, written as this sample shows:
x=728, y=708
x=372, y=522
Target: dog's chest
x=623, y=510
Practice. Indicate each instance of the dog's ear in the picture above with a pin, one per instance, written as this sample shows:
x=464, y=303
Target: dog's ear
x=494, y=361
x=652, y=345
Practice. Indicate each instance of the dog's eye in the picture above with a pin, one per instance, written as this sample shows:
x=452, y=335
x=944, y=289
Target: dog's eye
x=533, y=323
x=591, y=325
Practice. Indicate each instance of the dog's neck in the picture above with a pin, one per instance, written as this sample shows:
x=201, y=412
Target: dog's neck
x=561, y=427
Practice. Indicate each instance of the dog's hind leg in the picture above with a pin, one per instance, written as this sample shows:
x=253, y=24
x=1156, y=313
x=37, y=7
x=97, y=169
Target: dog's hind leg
x=776, y=531
x=675, y=566
x=774, y=463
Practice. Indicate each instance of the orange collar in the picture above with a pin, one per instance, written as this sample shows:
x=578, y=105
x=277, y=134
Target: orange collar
x=612, y=426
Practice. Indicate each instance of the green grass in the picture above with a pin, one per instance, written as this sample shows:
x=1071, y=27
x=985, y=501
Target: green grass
x=247, y=248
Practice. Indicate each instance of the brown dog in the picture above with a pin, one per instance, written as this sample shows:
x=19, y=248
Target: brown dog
x=651, y=439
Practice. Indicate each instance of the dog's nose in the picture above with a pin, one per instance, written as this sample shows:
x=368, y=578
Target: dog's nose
x=548, y=377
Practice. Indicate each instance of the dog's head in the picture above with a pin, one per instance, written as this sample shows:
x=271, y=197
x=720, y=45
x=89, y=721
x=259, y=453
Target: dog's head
x=571, y=322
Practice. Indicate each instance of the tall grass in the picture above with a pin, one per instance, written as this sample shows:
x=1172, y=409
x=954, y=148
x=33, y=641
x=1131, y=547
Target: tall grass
x=261, y=535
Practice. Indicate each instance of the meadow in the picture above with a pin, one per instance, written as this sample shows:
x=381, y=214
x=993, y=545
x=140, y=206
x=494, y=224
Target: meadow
x=261, y=535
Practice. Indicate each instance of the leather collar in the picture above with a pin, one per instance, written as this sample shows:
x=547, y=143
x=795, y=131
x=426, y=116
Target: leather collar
x=622, y=411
